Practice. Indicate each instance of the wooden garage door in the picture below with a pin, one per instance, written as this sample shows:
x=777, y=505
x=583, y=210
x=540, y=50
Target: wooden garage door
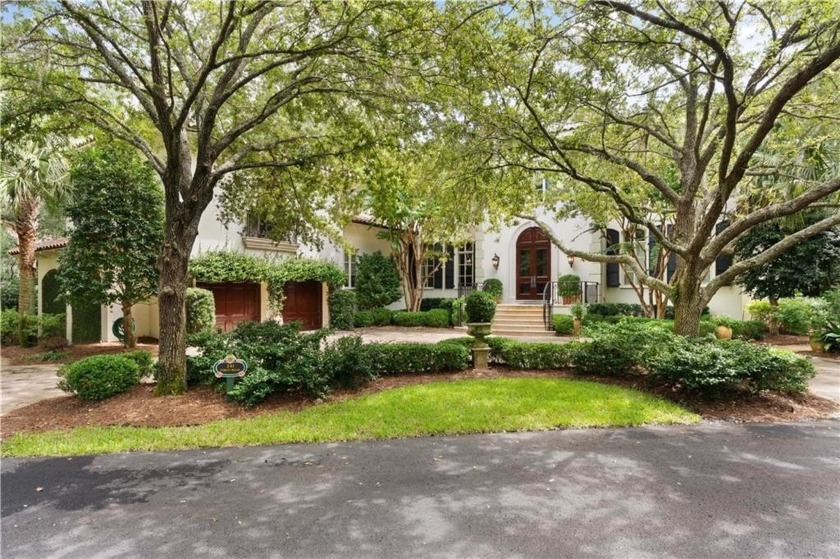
x=303, y=303
x=235, y=303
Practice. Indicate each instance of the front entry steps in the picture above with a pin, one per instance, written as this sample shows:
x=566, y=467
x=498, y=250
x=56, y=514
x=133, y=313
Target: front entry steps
x=520, y=320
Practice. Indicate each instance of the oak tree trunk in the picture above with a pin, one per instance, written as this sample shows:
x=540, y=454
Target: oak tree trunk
x=688, y=304
x=172, y=288
x=773, y=323
x=129, y=336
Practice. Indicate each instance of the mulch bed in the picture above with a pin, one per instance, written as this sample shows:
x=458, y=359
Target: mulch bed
x=17, y=355
x=139, y=407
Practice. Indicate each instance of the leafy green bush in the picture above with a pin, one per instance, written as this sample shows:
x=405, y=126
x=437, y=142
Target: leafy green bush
x=377, y=281
x=429, y=303
x=363, y=319
x=145, y=361
x=712, y=368
x=796, y=316
x=211, y=347
x=201, y=310
x=494, y=287
x=411, y=358
x=624, y=347
x=382, y=317
x=615, y=309
x=9, y=325
x=532, y=355
x=347, y=360
x=99, y=377
x=10, y=292
x=568, y=285
x=437, y=318
x=832, y=303
x=480, y=307
x=760, y=309
x=342, y=304
x=563, y=324
x=409, y=318
x=747, y=329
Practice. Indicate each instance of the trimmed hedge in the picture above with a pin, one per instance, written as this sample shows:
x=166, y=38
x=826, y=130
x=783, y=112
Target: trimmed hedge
x=409, y=318
x=382, y=317
x=342, y=305
x=532, y=355
x=563, y=324
x=363, y=319
x=615, y=309
x=410, y=358
x=437, y=318
x=201, y=310
x=99, y=377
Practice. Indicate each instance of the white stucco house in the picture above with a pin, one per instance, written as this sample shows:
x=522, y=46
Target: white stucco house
x=520, y=256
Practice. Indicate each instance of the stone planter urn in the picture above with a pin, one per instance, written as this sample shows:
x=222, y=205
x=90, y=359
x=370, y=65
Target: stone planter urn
x=723, y=332
x=480, y=349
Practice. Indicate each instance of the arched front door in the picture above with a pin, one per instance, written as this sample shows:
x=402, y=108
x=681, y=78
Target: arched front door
x=533, y=264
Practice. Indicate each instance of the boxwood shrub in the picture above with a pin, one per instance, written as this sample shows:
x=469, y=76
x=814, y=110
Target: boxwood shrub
x=532, y=355
x=712, y=368
x=363, y=319
x=480, y=307
x=99, y=377
x=563, y=324
x=411, y=358
x=437, y=318
x=409, y=318
x=145, y=361
x=342, y=304
x=201, y=310
x=382, y=317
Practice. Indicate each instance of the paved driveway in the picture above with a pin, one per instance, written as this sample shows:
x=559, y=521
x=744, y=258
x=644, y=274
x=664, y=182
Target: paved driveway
x=714, y=490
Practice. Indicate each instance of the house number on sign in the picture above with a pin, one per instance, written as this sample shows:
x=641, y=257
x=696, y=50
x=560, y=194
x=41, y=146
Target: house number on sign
x=230, y=368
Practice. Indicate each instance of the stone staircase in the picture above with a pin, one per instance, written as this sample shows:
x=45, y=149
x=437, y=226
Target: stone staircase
x=520, y=320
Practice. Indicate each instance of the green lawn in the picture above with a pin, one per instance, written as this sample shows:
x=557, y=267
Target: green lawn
x=441, y=408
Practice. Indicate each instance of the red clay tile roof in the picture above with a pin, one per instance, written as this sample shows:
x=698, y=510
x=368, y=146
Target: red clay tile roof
x=61, y=242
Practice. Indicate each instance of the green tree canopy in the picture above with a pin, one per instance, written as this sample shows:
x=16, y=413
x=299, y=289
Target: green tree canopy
x=117, y=216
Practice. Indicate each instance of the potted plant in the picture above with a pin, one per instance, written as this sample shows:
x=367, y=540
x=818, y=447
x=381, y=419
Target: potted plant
x=724, y=328
x=578, y=312
x=481, y=308
x=568, y=287
x=494, y=287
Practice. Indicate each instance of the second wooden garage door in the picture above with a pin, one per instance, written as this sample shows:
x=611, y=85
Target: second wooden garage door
x=303, y=303
x=235, y=303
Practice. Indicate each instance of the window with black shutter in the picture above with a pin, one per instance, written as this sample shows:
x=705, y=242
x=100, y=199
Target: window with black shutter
x=613, y=272
x=724, y=261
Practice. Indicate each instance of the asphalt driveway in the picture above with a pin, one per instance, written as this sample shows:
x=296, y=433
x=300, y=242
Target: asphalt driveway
x=713, y=490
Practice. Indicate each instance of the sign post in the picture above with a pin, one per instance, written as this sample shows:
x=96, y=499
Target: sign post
x=230, y=368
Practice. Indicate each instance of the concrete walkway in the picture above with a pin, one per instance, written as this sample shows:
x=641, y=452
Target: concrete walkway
x=21, y=385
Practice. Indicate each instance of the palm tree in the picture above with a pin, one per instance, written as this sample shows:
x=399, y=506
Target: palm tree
x=32, y=174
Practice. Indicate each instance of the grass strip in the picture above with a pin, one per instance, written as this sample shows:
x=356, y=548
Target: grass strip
x=440, y=408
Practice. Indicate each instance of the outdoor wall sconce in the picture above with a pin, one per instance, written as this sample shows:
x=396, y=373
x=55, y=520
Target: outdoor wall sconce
x=571, y=260
x=495, y=261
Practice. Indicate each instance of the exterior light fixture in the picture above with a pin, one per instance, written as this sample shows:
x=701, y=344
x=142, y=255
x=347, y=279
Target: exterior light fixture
x=495, y=261
x=571, y=260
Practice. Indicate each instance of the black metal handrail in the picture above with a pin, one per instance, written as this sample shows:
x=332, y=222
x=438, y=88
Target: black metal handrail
x=587, y=292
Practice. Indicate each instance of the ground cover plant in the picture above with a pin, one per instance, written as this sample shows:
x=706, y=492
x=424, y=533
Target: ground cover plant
x=442, y=408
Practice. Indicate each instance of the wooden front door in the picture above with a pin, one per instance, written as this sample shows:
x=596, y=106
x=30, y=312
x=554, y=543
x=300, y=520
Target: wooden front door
x=533, y=264
x=303, y=303
x=235, y=303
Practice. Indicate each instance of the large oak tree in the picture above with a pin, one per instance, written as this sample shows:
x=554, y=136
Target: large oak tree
x=210, y=92
x=670, y=101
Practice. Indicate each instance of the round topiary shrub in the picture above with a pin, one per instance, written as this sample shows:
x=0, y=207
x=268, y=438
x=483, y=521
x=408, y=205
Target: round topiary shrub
x=201, y=310
x=480, y=306
x=494, y=287
x=99, y=377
